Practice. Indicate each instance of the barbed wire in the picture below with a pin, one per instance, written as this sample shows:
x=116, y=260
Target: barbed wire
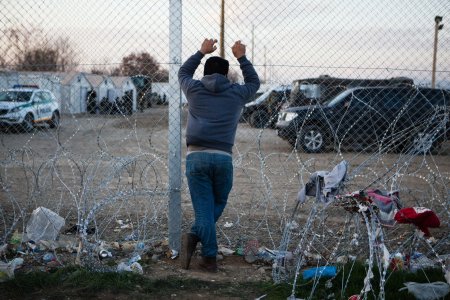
x=106, y=170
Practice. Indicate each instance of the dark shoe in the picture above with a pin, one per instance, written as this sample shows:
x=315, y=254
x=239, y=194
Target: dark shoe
x=209, y=264
x=188, y=244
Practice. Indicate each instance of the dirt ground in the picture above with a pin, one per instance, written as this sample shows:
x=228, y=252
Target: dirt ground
x=84, y=136
x=268, y=175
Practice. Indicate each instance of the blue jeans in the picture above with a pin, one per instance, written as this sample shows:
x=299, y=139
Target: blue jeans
x=210, y=178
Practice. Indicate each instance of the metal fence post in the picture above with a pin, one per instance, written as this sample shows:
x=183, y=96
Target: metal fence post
x=175, y=126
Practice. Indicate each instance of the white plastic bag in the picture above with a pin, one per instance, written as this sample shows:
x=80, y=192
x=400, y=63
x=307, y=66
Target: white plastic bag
x=44, y=224
x=427, y=291
x=7, y=269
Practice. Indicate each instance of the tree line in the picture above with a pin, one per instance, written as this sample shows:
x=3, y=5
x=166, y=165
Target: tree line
x=30, y=50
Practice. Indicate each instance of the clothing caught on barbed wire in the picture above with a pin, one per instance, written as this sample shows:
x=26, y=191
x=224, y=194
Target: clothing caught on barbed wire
x=324, y=185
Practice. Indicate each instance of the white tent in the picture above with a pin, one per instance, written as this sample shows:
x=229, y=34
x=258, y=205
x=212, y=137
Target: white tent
x=74, y=91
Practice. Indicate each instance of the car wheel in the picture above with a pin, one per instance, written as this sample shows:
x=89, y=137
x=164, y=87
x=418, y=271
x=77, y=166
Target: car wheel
x=259, y=119
x=54, y=122
x=312, y=139
x=28, y=123
x=245, y=117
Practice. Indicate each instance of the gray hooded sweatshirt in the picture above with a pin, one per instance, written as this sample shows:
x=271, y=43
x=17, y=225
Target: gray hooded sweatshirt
x=215, y=104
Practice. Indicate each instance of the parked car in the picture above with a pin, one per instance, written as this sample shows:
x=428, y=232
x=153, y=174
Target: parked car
x=263, y=111
x=390, y=118
x=440, y=98
x=319, y=90
x=24, y=106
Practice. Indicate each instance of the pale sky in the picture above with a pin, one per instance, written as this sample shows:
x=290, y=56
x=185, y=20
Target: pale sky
x=287, y=39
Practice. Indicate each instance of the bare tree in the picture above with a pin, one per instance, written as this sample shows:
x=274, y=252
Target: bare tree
x=115, y=72
x=39, y=59
x=99, y=71
x=26, y=49
x=102, y=68
x=15, y=42
x=66, y=56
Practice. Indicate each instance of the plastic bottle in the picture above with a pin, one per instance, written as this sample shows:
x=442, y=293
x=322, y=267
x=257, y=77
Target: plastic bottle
x=48, y=257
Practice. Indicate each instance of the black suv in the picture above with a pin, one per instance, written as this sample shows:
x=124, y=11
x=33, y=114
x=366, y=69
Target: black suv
x=383, y=118
x=263, y=111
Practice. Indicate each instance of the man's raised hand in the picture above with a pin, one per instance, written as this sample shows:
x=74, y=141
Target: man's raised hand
x=208, y=46
x=238, y=49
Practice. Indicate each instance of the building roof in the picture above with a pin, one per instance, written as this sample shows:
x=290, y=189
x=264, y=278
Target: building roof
x=94, y=80
x=67, y=77
x=119, y=81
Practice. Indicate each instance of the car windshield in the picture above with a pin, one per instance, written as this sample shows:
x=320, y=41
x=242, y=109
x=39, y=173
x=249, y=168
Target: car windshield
x=339, y=97
x=263, y=97
x=15, y=96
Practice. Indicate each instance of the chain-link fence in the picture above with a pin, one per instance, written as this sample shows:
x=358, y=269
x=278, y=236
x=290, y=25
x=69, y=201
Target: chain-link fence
x=93, y=121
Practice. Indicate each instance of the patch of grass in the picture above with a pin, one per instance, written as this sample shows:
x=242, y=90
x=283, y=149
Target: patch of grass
x=70, y=279
x=79, y=283
x=350, y=280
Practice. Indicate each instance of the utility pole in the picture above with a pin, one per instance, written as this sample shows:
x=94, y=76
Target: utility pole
x=437, y=27
x=222, y=30
x=265, y=65
x=253, y=43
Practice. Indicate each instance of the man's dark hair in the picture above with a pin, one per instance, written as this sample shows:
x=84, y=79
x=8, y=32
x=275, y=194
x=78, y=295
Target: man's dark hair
x=216, y=64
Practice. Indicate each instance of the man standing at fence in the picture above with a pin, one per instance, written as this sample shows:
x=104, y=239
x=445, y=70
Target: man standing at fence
x=215, y=106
